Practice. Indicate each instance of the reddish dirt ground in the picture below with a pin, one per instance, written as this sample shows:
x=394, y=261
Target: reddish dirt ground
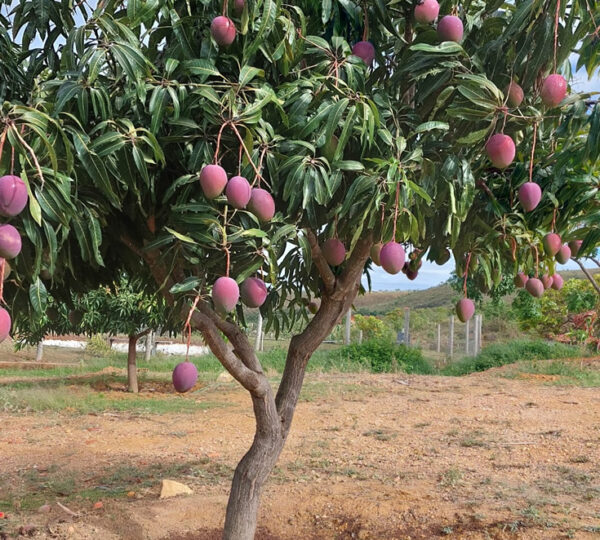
x=369, y=456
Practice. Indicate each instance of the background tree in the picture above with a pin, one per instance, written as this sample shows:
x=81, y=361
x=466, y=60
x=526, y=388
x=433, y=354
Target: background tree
x=113, y=111
x=121, y=308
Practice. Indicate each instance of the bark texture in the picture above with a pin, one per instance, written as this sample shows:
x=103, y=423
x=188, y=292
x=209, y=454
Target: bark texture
x=132, y=382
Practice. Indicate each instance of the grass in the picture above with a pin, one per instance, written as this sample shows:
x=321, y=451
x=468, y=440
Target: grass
x=508, y=353
x=91, y=387
x=567, y=373
x=451, y=478
x=84, y=399
x=33, y=487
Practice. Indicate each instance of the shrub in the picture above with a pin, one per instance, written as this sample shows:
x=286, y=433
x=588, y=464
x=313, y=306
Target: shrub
x=508, y=353
x=97, y=346
x=381, y=356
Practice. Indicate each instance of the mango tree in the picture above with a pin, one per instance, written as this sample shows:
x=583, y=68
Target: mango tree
x=119, y=308
x=361, y=131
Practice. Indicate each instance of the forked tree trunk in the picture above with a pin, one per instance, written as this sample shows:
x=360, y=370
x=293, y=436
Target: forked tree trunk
x=273, y=414
x=132, y=381
x=273, y=422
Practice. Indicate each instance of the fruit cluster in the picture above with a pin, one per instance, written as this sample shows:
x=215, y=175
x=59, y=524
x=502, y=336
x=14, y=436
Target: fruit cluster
x=13, y=199
x=241, y=195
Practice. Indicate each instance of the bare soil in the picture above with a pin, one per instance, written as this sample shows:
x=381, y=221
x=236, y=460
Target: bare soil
x=369, y=456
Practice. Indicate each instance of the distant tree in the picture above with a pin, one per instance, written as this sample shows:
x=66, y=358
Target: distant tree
x=123, y=308
x=371, y=326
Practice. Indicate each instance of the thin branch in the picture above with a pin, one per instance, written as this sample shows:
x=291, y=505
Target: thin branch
x=256, y=383
x=595, y=261
x=320, y=262
x=241, y=346
x=31, y=151
x=142, y=334
x=588, y=275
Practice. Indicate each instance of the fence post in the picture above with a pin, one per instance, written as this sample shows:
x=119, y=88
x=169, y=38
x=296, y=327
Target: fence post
x=476, y=343
x=467, y=332
x=360, y=336
x=451, y=337
x=407, y=326
x=439, y=338
x=347, y=330
x=480, y=333
x=258, y=342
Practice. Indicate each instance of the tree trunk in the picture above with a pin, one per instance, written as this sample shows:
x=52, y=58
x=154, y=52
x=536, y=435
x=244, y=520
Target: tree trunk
x=39, y=354
x=132, y=381
x=273, y=413
x=252, y=472
x=149, y=346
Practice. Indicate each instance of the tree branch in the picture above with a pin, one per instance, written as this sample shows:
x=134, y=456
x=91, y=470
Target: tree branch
x=238, y=360
x=241, y=345
x=596, y=261
x=302, y=346
x=255, y=383
x=589, y=276
x=320, y=262
x=142, y=334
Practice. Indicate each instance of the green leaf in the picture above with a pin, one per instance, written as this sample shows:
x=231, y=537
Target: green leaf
x=429, y=126
x=248, y=73
x=349, y=165
x=182, y=237
x=202, y=67
x=474, y=136
x=38, y=296
x=186, y=285
x=34, y=206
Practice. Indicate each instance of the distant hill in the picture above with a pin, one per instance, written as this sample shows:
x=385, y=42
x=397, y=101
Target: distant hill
x=381, y=302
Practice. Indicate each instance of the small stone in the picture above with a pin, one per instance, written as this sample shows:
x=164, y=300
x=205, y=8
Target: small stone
x=131, y=494
x=170, y=488
x=224, y=376
x=44, y=509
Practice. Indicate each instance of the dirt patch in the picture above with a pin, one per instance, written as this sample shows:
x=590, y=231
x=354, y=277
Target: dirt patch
x=369, y=456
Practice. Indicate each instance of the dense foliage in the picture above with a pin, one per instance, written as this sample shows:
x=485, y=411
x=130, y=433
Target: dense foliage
x=111, y=120
x=569, y=315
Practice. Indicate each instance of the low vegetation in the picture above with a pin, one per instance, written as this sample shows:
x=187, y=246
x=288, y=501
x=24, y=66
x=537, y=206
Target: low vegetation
x=508, y=353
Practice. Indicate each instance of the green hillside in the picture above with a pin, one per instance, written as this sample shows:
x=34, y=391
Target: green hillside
x=380, y=302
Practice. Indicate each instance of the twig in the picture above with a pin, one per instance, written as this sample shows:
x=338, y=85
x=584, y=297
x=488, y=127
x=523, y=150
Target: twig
x=588, y=275
x=67, y=510
x=33, y=156
x=527, y=443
